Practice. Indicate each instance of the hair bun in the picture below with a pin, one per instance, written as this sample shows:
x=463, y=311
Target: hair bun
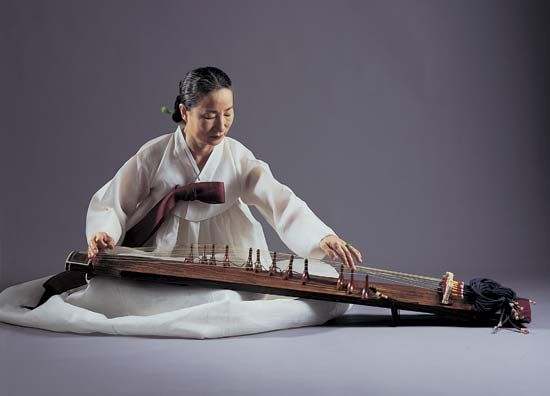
x=176, y=116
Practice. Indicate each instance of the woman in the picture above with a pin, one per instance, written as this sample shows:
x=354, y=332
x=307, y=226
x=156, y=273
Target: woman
x=199, y=150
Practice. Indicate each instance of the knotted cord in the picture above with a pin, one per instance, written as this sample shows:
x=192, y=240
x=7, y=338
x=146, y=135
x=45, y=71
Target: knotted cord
x=489, y=296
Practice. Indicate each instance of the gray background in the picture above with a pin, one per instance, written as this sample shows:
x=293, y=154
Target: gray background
x=418, y=130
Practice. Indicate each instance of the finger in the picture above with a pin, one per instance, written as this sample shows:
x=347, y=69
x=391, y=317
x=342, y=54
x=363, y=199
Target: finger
x=105, y=241
x=327, y=249
x=333, y=254
x=342, y=254
x=349, y=256
x=333, y=250
x=111, y=242
x=106, y=244
x=92, y=245
x=356, y=253
x=101, y=244
x=329, y=252
x=91, y=252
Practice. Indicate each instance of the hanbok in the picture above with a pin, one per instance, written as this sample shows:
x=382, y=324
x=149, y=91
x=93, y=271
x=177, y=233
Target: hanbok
x=117, y=306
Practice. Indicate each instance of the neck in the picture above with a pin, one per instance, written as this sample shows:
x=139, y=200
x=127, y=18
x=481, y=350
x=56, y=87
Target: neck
x=199, y=150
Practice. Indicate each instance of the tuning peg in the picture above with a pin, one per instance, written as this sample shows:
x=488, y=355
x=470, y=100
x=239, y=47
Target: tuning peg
x=350, y=284
x=226, y=262
x=248, y=265
x=213, y=256
x=288, y=273
x=203, y=260
x=257, y=264
x=365, y=291
x=341, y=280
x=190, y=258
x=305, y=274
x=273, y=268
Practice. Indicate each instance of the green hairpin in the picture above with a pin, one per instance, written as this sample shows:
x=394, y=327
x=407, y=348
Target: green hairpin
x=166, y=110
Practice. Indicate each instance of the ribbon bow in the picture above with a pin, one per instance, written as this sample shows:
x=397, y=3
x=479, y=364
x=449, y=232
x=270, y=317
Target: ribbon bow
x=208, y=192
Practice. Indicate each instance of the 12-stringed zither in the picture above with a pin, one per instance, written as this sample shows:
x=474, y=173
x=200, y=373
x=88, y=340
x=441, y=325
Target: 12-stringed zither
x=483, y=301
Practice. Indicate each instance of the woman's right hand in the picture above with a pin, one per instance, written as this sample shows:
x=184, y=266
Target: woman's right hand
x=99, y=241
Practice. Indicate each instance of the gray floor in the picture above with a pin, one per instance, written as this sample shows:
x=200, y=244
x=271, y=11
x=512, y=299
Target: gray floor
x=359, y=352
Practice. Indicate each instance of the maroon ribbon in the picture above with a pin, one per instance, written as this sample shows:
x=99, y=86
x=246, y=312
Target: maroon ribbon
x=208, y=192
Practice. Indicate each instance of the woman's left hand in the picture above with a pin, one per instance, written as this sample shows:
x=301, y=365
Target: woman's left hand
x=334, y=247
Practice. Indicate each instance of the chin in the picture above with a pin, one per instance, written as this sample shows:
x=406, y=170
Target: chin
x=216, y=140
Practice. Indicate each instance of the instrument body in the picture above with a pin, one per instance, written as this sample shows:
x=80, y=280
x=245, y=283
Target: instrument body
x=256, y=278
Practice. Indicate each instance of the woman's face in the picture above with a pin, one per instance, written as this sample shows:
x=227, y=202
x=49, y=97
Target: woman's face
x=207, y=123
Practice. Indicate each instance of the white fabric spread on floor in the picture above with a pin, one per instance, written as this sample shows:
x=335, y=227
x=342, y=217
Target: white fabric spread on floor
x=116, y=306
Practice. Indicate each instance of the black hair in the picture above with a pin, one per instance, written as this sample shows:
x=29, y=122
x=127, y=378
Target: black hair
x=196, y=85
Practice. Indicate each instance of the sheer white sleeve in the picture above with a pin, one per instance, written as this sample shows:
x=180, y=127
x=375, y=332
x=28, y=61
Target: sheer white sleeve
x=117, y=200
x=295, y=223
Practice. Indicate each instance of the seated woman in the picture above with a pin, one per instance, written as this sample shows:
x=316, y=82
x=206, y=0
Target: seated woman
x=199, y=150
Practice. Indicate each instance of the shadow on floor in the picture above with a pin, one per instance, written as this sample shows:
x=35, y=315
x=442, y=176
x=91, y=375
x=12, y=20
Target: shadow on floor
x=380, y=320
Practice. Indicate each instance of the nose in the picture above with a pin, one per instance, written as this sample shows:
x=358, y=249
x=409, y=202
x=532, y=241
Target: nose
x=220, y=124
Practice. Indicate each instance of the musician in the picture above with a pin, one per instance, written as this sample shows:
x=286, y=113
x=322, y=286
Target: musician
x=200, y=150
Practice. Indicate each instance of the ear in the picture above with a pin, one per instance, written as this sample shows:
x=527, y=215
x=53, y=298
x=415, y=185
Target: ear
x=184, y=112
